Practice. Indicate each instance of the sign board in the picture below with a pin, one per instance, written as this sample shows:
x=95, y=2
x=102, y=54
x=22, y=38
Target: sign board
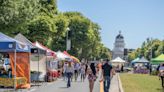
x=68, y=44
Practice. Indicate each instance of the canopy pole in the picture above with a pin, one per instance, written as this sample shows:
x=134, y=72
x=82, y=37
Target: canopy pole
x=15, y=69
x=38, y=67
x=29, y=69
x=46, y=68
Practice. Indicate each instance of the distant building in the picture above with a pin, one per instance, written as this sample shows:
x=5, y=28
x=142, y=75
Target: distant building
x=127, y=52
x=119, y=46
x=130, y=50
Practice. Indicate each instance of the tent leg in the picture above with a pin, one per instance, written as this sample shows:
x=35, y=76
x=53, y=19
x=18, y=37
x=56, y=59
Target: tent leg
x=29, y=69
x=15, y=69
x=46, y=70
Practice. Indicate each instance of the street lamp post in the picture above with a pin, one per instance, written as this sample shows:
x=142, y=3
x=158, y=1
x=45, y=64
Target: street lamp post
x=68, y=41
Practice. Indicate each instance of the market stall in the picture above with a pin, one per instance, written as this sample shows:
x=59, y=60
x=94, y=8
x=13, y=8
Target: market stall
x=141, y=66
x=51, y=63
x=15, y=57
x=141, y=62
x=37, y=60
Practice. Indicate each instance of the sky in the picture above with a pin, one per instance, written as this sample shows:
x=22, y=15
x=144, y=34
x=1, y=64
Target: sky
x=137, y=19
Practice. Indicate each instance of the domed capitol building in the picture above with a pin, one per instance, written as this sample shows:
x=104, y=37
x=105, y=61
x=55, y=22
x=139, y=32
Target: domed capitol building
x=119, y=46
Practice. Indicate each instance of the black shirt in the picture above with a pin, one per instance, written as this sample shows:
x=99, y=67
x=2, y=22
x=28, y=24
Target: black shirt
x=106, y=69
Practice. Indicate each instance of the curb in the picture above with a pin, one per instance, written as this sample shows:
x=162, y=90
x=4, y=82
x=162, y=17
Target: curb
x=120, y=84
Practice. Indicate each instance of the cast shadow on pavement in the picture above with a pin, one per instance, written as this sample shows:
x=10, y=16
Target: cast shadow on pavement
x=63, y=87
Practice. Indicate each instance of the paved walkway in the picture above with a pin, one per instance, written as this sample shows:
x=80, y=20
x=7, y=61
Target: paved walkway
x=114, y=84
x=60, y=86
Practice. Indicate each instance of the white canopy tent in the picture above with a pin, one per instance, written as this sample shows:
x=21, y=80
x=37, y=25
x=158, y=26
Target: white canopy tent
x=118, y=61
x=62, y=56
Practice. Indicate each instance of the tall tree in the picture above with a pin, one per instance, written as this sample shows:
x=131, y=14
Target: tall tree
x=16, y=13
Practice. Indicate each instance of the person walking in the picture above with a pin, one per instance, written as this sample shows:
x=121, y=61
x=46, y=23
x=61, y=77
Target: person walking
x=122, y=68
x=69, y=71
x=106, y=75
x=150, y=69
x=82, y=72
x=91, y=78
x=161, y=74
x=86, y=69
x=64, y=71
x=76, y=69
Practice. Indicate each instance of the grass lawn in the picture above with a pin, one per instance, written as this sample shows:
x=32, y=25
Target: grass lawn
x=140, y=83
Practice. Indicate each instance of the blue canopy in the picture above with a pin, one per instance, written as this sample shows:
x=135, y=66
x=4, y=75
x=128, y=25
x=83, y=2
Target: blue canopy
x=8, y=44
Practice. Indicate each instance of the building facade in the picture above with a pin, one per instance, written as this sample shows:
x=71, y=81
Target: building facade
x=119, y=46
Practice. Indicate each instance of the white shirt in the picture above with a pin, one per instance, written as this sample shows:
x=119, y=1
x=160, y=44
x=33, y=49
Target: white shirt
x=69, y=69
x=83, y=69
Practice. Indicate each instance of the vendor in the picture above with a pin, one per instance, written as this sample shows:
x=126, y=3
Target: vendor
x=10, y=72
x=3, y=73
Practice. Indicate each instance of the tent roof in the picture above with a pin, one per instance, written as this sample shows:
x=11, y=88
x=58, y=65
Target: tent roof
x=5, y=38
x=66, y=53
x=135, y=60
x=62, y=56
x=118, y=60
x=7, y=44
x=49, y=51
x=34, y=49
x=73, y=57
x=23, y=39
x=142, y=60
x=160, y=58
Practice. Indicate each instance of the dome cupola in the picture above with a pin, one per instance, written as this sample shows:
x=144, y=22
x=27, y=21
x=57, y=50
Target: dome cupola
x=119, y=36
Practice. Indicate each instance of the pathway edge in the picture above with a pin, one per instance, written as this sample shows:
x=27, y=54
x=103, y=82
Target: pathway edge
x=120, y=83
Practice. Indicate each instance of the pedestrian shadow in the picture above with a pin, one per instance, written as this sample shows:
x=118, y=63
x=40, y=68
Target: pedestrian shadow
x=36, y=85
x=63, y=87
x=160, y=89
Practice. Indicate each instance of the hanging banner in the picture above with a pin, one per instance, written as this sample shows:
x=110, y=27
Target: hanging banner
x=68, y=44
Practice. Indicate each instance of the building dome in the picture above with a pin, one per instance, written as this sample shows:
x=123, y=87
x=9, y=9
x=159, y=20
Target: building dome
x=119, y=36
x=119, y=46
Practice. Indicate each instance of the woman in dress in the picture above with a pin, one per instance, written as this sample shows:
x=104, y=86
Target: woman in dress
x=91, y=77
